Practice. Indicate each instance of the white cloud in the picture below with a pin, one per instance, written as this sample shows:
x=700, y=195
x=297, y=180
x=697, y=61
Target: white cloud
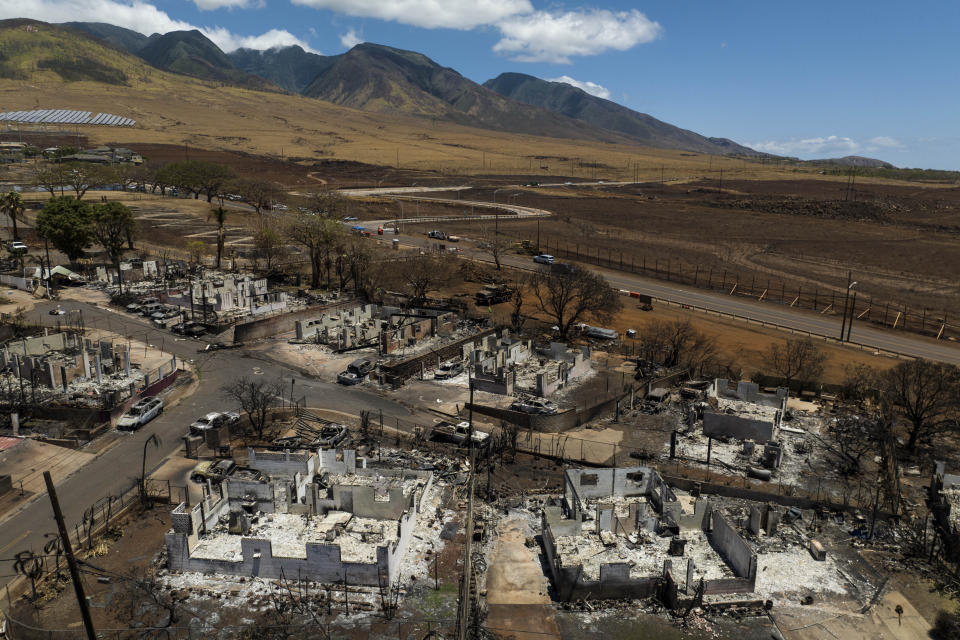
x=350, y=39
x=139, y=16
x=543, y=36
x=210, y=5
x=273, y=39
x=590, y=87
x=810, y=147
x=431, y=14
x=885, y=142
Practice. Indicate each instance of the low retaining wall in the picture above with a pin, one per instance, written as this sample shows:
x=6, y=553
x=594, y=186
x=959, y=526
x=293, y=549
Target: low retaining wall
x=282, y=323
x=556, y=423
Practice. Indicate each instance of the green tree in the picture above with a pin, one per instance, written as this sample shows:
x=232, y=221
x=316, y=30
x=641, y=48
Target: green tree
x=318, y=235
x=269, y=245
x=65, y=222
x=12, y=205
x=113, y=225
x=220, y=215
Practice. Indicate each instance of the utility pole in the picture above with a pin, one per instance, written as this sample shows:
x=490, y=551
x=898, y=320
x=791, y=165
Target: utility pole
x=71, y=561
x=846, y=297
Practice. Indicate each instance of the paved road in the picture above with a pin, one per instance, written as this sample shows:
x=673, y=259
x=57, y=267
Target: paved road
x=797, y=319
x=117, y=468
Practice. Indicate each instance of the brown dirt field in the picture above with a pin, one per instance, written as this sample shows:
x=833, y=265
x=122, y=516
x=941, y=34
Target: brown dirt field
x=906, y=261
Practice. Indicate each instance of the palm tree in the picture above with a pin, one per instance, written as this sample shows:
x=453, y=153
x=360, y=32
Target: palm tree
x=12, y=205
x=220, y=215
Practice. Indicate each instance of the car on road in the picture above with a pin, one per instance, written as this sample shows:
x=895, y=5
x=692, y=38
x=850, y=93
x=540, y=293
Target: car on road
x=145, y=410
x=15, y=246
x=544, y=258
x=214, y=471
x=349, y=378
x=189, y=328
x=350, y=218
x=535, y=406
x=57, y=311
x=449, y=369
x=213, y=420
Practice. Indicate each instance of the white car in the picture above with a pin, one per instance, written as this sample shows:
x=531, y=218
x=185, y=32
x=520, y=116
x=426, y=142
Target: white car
x=213, y=420
x=16, y=246
x=544, y=258
x=140, y=414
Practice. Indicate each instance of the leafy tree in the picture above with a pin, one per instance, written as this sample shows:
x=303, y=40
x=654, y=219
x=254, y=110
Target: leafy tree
x=259, y=194
x=269, y=245
x=797, y=359
x=318, y=235
x=329, y=204
x=925, y=394
x=12, y=205
x=569, y=295
x=113, y=224
x=196, y=249
x=51, y=177
x=83, y=177
x=211, y=177
x=66, y=223
x=220, y=215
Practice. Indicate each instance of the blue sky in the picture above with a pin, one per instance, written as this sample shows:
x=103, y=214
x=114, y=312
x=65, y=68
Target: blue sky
x=810, y=79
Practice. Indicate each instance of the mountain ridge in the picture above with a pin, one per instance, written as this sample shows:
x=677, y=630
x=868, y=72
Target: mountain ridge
x=573, y=102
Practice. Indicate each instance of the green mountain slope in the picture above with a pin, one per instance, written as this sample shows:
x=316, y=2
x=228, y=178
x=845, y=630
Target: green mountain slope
x=193, y=54
x=289, y=67
x=124, y=39
x=31, y=50
x=378, y=78
x=575, y=103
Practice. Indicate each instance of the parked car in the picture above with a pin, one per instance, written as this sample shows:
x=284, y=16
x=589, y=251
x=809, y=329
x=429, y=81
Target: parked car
x=349, y=378
x=437, y=235
x=15, y=246
x=535, y=406
x=134, y=307
x=350, y=218
x=213, y=420
x=544, y=258
x=57, y=311
x=449, y=369
x=215, y=471
x=360, y=366
x=145, y=410
x=459, y=434
x=149, y=309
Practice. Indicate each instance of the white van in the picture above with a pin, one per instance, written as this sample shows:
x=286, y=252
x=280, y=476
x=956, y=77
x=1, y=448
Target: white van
x=140, y=414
